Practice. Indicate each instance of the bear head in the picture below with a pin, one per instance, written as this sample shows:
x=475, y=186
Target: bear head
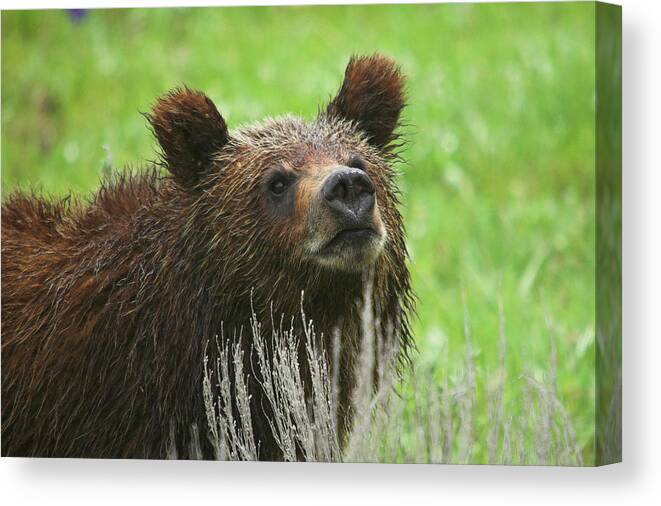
x=292, y=193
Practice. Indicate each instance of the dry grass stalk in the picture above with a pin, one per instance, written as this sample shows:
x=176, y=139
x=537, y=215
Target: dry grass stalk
x=421, y=419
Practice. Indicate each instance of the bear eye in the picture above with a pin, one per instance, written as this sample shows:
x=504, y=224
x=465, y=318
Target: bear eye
x=356, y=162
x=278, y=186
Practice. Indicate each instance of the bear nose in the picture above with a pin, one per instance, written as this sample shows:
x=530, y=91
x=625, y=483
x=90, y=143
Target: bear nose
x=350, y=194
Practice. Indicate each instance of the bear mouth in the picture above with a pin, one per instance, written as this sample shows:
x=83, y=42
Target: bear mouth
x=360, y=236
x=351, y=249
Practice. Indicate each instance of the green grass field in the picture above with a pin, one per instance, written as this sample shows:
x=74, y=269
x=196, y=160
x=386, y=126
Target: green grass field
x=498, y=184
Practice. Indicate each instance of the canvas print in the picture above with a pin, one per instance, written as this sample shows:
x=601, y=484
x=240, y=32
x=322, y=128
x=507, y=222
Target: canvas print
x=385, y=234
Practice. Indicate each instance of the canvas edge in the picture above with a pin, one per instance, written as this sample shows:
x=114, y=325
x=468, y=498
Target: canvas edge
x=608, y=233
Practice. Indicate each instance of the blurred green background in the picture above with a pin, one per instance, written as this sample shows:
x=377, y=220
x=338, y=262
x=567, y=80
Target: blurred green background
x=498, y=184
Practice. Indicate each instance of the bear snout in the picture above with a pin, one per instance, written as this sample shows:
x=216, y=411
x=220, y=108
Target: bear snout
x=344, y=226
x=349, y=194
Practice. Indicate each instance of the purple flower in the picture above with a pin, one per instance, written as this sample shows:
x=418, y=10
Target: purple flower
x=77, y=15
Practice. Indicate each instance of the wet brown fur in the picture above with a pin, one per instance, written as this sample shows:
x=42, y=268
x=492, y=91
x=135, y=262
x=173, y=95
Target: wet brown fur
x=108, y=305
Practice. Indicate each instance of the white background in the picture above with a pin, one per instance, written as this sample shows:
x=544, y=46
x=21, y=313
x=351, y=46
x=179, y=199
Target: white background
x=636, y=481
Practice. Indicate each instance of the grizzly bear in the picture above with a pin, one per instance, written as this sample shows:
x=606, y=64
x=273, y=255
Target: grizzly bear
x=108, y=304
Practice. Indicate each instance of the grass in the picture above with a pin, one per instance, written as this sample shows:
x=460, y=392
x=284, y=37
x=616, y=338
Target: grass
x=409, y=418
x=499, y=181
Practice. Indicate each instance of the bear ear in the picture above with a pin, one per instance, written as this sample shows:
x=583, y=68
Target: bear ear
x=190, y=131
x=372, y=96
